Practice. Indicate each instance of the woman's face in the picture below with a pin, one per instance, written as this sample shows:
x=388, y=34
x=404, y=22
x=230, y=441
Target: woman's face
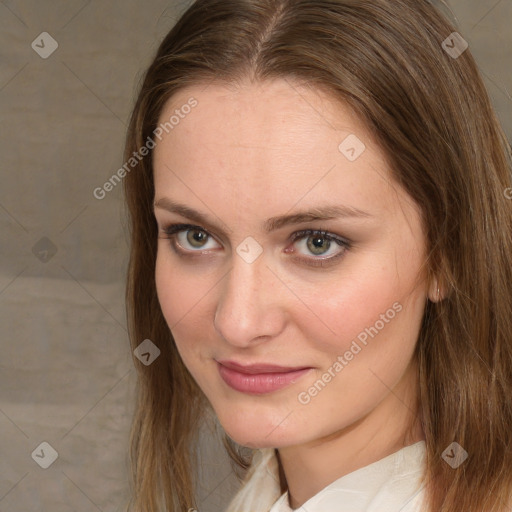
x=338, y=312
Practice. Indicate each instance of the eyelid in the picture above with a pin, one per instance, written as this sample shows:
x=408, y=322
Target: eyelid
x=323, y=232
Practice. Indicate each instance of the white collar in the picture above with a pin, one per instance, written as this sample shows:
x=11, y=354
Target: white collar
x=389, y=484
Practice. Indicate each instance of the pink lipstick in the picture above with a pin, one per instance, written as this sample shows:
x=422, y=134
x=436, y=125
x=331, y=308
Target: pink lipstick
x=258, y=379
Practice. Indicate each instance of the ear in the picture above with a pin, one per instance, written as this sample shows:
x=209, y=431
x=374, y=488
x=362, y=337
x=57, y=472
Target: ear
x=436, y=291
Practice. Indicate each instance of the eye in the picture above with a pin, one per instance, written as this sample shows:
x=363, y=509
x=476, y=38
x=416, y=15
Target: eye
x=320, y=243
x=188, y=238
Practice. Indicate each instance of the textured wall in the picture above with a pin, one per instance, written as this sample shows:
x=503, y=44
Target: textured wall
x=66, y=374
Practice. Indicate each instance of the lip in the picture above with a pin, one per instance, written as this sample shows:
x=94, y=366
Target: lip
x=258, y=379
x=260, y=367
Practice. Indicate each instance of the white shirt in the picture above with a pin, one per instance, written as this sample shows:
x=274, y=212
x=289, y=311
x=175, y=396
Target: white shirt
x=391, y=484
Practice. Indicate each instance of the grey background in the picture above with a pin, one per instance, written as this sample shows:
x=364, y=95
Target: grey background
x=66, y=375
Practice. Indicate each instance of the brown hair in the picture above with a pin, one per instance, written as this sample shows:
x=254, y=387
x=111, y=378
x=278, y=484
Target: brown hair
x=432, y=117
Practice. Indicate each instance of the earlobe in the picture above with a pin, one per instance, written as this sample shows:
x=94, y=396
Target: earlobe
x=435, y=293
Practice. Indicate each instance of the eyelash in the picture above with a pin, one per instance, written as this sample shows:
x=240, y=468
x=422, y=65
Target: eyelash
x=173, y=229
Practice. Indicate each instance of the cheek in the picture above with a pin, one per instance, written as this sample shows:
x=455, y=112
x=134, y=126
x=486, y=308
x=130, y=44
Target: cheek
x=179, y=293
x=175, y=292
x=376, y=320
x=167, y=283
x=374, y=302
x=182, y=297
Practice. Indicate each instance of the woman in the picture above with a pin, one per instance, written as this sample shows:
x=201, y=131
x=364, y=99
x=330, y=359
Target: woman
x=322, y=253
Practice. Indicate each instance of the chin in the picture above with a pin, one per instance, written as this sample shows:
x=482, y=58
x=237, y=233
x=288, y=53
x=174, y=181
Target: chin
x=251, y=438
x=255, y=430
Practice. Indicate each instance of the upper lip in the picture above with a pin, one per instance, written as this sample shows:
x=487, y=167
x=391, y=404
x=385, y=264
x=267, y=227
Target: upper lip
x=260, y=367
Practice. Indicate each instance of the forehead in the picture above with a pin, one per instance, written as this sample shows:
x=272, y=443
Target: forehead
x=259, y=144
x=274, y=112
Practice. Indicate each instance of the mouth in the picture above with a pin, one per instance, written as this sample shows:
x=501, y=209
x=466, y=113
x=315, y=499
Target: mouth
x=259, y=379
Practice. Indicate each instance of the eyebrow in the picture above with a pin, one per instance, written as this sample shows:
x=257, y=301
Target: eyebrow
x=327, y=212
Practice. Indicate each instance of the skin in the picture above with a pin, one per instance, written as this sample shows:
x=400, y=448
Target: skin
x=243, y=155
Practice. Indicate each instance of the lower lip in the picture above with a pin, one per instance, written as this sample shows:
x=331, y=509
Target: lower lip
x=259, y=383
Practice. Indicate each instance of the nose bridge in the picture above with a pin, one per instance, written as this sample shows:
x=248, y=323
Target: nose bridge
x=246, y=307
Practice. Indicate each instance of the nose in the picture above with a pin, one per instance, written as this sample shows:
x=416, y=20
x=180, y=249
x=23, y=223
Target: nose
x=250, y=308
